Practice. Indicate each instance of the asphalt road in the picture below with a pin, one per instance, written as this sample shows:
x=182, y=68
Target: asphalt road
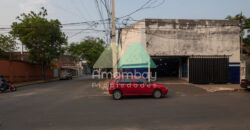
x=74, y=104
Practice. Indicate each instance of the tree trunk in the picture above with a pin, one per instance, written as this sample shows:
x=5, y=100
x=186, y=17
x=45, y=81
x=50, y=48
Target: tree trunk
x=44, y=68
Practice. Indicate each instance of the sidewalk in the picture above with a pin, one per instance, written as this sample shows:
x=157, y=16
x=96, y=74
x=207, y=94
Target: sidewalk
x=39, y=81
x=219, y=87
x=33, y=82
x=170, y=81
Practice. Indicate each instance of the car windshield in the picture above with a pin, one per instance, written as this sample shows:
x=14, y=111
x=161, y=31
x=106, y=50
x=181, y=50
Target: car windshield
x=126, y=80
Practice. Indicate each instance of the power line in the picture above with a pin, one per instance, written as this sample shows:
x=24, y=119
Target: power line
x=84, y=29
x=75, y=34
x=99, y=9
x=85, y=9
x=86, y=22
x=66, y=24
x=66, y=10
x=78, y=10
x=100, y=12
x=146, y=5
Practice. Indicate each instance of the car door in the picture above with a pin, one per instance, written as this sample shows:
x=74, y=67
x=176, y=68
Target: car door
x=126, y=85
x=142, y=87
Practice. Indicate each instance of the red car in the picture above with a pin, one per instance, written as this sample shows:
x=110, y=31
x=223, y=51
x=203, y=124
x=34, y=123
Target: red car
x=245, y=83
x=134, y=85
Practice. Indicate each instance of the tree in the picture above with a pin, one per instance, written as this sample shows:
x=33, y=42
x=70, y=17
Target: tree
x=239, y=17
x=42, y=37
x=245, y=25
x=247, y=41
x=7, y=44
x=88, y=50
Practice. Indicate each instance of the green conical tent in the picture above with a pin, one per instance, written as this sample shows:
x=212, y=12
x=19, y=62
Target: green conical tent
x=136, y=57
x=105, y=60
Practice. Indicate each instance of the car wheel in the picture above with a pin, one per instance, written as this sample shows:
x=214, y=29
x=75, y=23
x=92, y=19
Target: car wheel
x=243, y=85
x=13, y=89
x=163, y=96
x=157, y=94
x=117, y=95
x=1, y=90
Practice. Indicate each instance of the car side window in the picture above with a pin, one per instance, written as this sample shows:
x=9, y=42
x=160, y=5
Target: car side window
x=140, y=81
x=126, y=80
x=117, y=81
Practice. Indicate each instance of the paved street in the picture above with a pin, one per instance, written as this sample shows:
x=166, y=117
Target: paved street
x=74, y=104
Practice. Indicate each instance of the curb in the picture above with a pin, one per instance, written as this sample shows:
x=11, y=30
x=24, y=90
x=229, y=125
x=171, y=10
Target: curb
x=220, y=89
x=18, y=85
x=231, y=90
x=34, y=82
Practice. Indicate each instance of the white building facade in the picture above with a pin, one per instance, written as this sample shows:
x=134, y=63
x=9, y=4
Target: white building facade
x=200, y=51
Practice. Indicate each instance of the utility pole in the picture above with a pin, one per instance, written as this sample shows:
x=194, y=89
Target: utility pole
x=113, y=36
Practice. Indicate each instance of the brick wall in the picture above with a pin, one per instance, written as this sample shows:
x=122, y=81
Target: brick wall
x=17, y=71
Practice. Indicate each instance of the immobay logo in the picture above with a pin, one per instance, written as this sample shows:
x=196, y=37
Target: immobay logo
x=134, y=61
x=104, y=75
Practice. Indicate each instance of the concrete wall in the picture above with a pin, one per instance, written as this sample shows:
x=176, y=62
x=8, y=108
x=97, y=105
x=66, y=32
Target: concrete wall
x=172, y=37
x=134, y=33
x=193, y=37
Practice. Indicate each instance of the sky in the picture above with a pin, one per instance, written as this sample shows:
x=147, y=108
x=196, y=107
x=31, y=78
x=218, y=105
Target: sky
x=70, y=11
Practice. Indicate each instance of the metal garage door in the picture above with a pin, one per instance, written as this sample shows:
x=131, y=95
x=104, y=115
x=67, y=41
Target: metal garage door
x=205, y=70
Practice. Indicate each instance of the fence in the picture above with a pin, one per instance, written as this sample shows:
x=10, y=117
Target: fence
x=17, y=71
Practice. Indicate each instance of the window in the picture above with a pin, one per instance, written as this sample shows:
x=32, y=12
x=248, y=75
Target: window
x=140, y=81
x=126, y=80
x=117, y=81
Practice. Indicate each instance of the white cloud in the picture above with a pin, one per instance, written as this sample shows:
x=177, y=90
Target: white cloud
x=32, y=5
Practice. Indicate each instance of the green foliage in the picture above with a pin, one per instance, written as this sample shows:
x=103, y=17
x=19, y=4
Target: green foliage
x=7, y=43
x=3, y=54
x=88, y=50
x=245, y=22
x=247, y=40
x=245, y=25
x=239, y=17
x=42, y=37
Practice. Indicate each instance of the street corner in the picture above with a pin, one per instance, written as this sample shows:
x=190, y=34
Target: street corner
x=102, y=84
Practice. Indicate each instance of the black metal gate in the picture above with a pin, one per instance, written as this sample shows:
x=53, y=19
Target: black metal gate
x=204, y=69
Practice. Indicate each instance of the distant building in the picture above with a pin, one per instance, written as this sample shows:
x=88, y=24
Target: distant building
x=200, y=51
x=68, y=64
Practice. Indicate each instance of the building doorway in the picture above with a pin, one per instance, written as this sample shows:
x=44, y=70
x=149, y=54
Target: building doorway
x=170, y=66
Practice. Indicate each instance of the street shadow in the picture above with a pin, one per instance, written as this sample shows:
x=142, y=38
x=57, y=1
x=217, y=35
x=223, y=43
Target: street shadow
x=142, y=97
x=137, y=97
x=6, y=92
x=246, y=90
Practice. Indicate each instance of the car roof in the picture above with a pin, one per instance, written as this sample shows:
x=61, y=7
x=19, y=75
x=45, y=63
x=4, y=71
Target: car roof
x=130, y=76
